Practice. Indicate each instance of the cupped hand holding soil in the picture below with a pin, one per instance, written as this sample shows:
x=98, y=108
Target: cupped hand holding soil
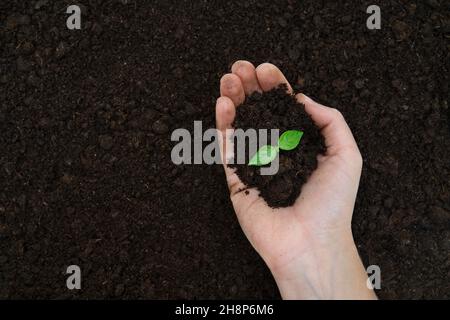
x=282, y=178
x=308, y=246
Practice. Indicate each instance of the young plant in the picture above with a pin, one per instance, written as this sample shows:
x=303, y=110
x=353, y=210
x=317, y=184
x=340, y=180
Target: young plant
x=289, y=140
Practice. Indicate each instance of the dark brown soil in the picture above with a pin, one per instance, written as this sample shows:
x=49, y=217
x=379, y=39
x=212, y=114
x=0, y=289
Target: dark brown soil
x=86, y=116
x=277, y=109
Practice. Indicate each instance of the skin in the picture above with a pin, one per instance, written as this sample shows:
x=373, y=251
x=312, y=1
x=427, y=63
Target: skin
x=308, y=247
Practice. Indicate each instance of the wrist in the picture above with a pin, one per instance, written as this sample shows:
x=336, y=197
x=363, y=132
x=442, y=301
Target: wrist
x=329, y=269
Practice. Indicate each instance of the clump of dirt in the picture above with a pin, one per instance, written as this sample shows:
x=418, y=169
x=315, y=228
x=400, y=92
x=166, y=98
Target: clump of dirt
x=277, y=109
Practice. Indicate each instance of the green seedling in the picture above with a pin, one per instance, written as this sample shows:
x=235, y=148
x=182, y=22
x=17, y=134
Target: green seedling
x=289, y=140
x=265, y=155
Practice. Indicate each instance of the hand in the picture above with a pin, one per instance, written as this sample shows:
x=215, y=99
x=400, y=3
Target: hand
x=308, y=247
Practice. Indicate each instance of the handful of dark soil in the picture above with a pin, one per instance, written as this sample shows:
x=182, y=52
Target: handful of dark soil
x=277, y=109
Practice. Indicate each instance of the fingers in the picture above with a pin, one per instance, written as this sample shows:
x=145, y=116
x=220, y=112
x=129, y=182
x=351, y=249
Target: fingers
x=225, y=113
x=245, y=79
x=270, y=77
x=233, y=94
x=247, y=73
x=332, y=124
x=231, y=87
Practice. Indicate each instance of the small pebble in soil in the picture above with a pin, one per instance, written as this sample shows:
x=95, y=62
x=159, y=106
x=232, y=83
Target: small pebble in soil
x=159, y=127
x=106, y=142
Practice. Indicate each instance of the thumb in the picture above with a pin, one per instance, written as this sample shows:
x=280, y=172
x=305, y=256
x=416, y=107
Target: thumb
x=331, y=123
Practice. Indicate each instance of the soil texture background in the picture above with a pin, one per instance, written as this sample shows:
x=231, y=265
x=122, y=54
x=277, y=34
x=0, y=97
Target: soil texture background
x=86, y=116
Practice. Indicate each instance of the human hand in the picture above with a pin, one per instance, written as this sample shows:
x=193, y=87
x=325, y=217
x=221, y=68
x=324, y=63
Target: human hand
x=309, y=246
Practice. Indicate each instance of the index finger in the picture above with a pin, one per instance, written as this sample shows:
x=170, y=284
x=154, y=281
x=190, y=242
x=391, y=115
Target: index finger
x=270, y=77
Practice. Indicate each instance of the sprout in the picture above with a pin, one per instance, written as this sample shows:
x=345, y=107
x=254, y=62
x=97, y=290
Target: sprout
x=289, y=140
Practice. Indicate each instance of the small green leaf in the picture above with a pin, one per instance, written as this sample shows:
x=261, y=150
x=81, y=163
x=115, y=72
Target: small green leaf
x=265, y=155
x=290, y=139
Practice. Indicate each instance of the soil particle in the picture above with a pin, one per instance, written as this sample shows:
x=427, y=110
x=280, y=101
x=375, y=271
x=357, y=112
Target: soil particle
x=159, y=127
x=294, y=53
x=120, y=289
x=40, y=4
x=433, y=3
x=440, y=215
x=26, y=48
x=3, y=79
x=359, y=84
x=106, y=142
x=22, y=64
x=61, y=50
x=34, y=80
x=340, y=85
x=401, y=29
x=388, y=203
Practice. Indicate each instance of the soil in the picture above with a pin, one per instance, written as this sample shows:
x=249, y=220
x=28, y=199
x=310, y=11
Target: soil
x=277, y=109
x=86, y=116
